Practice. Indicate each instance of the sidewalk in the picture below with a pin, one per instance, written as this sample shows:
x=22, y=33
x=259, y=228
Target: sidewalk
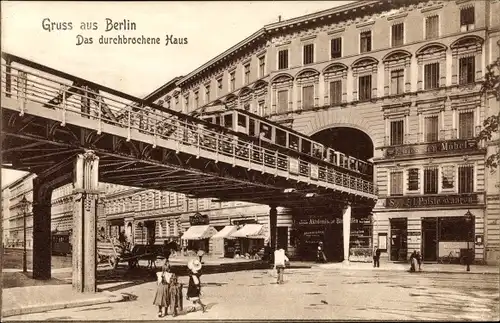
x=426, y=268
x=35, y=299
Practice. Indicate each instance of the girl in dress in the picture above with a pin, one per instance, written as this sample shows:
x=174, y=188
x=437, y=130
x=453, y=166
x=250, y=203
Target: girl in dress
x=162, y=280
x=194, y=287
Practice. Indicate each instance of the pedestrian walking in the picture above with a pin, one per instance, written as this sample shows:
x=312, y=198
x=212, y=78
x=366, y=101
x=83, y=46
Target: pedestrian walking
x=320, y=254
x=162, y=279
x=419, y=260
x=376, y=258
x=280, y=260
x=413, y=261
x=194, y=286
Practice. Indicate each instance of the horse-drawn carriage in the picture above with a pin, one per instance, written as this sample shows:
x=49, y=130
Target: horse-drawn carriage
x=116, y=253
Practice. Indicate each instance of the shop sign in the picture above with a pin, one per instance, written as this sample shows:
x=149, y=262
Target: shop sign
x=449, y=146
x=198, y=219
x=324, y=221
x=243, y=221
x=414, y=233
x=430, y=201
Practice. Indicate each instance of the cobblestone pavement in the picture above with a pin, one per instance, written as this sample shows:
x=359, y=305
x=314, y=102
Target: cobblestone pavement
x=316, y=293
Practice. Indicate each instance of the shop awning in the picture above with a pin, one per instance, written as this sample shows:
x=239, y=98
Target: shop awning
x=226, y=232
x=252, y=231
x=198, y=232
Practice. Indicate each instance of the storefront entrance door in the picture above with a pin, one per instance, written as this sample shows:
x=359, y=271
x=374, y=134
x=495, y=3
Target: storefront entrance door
x=429, y=239
x=399, y=242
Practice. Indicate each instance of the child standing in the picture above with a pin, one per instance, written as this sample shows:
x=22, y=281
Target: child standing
x=194, y=287
x=162, y=298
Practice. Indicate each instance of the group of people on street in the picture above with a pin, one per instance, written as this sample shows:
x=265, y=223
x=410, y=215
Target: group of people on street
x=169, y=290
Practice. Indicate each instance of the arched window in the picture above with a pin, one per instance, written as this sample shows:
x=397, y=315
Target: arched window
x=466, y=60
x=397, y=72
x=364, y=72
x=431, y=60
x=335, y=84
x=308, y=81
x=282, y=93
x=260, y=93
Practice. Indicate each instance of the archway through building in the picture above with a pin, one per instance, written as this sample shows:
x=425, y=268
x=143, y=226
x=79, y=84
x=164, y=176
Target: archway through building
x=352, y=142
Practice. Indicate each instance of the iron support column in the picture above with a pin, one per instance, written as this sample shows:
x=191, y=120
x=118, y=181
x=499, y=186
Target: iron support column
x=85, y=197
x=346, y=222
x=42, y=244
x=273, y=222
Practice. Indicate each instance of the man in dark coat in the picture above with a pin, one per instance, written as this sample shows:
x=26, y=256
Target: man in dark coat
x=376, y=258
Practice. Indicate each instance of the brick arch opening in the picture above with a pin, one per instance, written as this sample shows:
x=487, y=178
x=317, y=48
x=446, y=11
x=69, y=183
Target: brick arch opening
x=349, y=140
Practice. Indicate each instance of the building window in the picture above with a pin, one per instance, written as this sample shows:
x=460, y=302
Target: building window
x=283, y=59
x=232, y=81
x=308, y=54
x=430, y=180
x=196, y=99
x=207, y=93
x=186, y=102
x=336, y=47
x=282, y=101
x=397, y=81
x=262, y=109
x=335, y=92
x=397, y=34
x=466, y=125
x=466, y=179
x=431, y=129
x=467, y=71
x=432, y=27
x=397, y=132
x=396, y=184
x=262, y=66
x=365, y=87
x=431, y=75
x=247, y=73
x=448, y=174
x=308, y=96
x=365, y=41
x=169, y=104
x=467, y=19
x=219, y=86
x=413, y=179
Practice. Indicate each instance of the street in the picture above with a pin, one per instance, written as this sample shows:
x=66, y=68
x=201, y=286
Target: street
x=316, y=293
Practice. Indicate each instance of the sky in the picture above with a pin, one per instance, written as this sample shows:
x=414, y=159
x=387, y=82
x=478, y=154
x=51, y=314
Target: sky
x=35, y=30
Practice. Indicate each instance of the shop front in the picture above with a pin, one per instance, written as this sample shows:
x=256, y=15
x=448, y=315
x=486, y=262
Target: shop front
x=222, y=243
x=442, y=231
x=197, y=237
x=250, y=239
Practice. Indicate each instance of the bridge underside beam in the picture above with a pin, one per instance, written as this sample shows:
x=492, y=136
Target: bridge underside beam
x=43, y=144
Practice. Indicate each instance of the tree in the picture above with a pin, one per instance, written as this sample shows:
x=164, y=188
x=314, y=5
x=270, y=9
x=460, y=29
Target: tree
x=491, y=85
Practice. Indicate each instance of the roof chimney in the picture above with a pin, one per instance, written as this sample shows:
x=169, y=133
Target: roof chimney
x=279, y=18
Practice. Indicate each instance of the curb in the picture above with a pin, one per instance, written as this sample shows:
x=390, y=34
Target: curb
x=111, y=298
x=406, y=270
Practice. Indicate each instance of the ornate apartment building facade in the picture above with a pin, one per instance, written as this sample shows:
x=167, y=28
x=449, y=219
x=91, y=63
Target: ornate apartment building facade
x=406, y=74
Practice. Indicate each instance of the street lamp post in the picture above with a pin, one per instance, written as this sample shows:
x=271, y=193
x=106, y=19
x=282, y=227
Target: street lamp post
x=468, y=218
x=24, y=205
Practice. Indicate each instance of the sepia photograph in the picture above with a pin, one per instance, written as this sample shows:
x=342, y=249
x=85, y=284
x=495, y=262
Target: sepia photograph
x=250, y=160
